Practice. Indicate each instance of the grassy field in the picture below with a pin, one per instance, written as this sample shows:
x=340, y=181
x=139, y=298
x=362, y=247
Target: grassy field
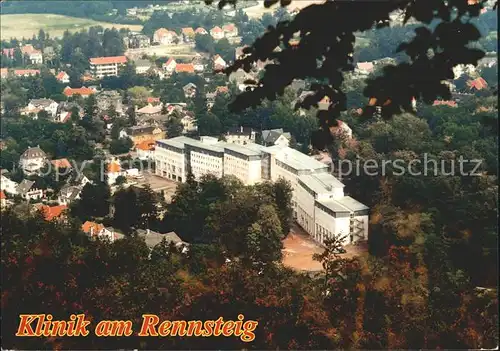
x=25, y=25
x=258, y=10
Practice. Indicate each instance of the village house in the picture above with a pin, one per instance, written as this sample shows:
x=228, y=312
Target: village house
x=109, y=99
x=153, y=238
x=138, y=41
x=83, y=92
x=198, y=65
x=230, y=30
x=219, y=62
x=342, y=129
x=35, y=56
x=460, y=70
x=477, y=84
x=153, y=100
x=28, y=192
x=201, y=31
x=238, y=52
x=63, y=77
x=98, y=231
x=364, y=68
x=241, y=136
x=188, y=34
x=142, y=66
x=26, y=72
x=217, y=33
x=169, y=66
x=445, y=103
x=184, y=68
x=188, y=123
x=61, y=163
x=114, y=170
x=189, y=90
x=139, y=134
x=68, y=194
x=32, y=160
x=275, y=137
x=3, y=199
x=50, y=213
x=4, y=73
x=145, y=150
x=37, y=105
x=8, y=185
x=106, y=66
x=8, y=52
x=164, y=36
x=149, y=110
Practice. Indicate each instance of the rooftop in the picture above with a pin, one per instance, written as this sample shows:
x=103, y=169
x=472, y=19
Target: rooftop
x=295, y=158
x=321, y=183
x=107, y=60
x=345, y=204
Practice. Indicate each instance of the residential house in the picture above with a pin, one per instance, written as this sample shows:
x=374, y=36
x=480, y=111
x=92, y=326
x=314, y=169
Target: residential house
x=83, y=92
x=37, y=105
x=114, y=170
x=238, y=52
x=153, y=238
x=364, y=68
x=169, y=66
x=488, y=61
x=78, y=179
x=188, y=34
x=28, y=192
x=217, y=33
x=460, y=70
x=61, y=163
x=149, y=110
x=142, y=66
x=153, y=100
x=32, y=160
x=241, y=136
x=9, y=52
x=275, y=137
x=138, y=41
x=3, y=199
x=164, y=37
x=230, y=30
x=189, y=90
x=201, y=31
x=198, y=63
x=145, y=149
x=184, y=68
x=342, y=129
x=445, y=103
x=63, y=77
x=98, y=231
x=139, y=134
x=219, y=62
x=106, y=66
x=4, y=73
x=51, y=212
x=188, y=123
x=26, y=72
x=35, y=56
x=108, y=99
x=477, y=84
x=68, y=194
x=7, y=185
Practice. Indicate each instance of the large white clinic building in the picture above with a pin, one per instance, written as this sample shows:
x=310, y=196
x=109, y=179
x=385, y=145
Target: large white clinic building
x=319, y=204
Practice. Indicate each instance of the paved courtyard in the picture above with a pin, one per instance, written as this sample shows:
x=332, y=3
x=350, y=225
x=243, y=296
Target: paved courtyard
x=299, y=249
x=159, y=184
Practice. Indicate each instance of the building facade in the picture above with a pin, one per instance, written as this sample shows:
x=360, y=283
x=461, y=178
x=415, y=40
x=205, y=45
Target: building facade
x=319, y=203
x=106, y=66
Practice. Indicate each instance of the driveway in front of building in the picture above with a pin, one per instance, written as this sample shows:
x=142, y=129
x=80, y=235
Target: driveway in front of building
x=299, y=248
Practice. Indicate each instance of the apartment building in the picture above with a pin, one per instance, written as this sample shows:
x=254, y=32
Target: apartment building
x=106, y=66
x=319, y=203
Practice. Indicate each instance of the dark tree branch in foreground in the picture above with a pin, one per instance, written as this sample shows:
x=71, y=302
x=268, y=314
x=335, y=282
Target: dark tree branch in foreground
x=318, y=44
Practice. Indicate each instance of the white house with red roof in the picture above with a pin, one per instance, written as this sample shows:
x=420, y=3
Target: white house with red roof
x=98, y=231
x=230, y=30
x=35, y=56
x=63, y=77
x=106, y=66
x=201, y=31
x=477, y=84
x=83, y=91
x=169, y=66
x=219, y=62
x=164, y=36
x=217, y=33
x=26, y=72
